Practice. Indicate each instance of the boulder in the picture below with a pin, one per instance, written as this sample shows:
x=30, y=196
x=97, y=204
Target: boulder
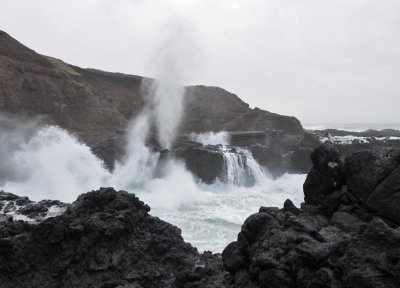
x=205, y=162
x=21, y=207
x=313, y=251
x=366, y=169
x=325, y=180
x=104, y=239
x=373, y=178
x=385, y=199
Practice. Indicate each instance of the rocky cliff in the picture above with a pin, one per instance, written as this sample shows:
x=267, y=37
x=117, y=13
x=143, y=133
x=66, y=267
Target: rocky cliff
x=97, y=105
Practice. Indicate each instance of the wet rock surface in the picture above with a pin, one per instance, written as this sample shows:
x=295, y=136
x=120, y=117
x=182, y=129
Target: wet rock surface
x=22, y=208
x=206, y=162
x=104, y=239
x=336, y=239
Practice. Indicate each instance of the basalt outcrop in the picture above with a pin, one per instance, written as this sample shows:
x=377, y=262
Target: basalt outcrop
x=346, y=234
x=104, y=239
x=350, y=142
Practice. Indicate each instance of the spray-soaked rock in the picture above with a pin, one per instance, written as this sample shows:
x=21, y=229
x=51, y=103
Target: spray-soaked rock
x=373, y=178
x=105, y=239
x=354, y=245
x=325, y=180
x=20, y=207
x=210, y=163
x=205, y=162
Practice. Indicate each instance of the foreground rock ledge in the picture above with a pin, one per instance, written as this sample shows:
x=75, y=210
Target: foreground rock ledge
x=104, y=239
x=346, y=234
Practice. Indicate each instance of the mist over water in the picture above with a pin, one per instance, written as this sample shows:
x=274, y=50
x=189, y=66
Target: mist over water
x=175, y=60
x=168, y=109
x=139, y=161
x=211, y=138
x=51, y=163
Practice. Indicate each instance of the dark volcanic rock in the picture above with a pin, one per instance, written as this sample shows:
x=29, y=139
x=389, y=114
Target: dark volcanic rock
x=349, y=142
x=324, y=181
x=19, y=206
x=373, y=178
x=314, y=251
x=368, y=133
x=278, y=152
x=105, y=239
x=366, y=169
x=211, y=162
x=208, y=273
x=205, y=162
x=348, y=247
x=108, y=239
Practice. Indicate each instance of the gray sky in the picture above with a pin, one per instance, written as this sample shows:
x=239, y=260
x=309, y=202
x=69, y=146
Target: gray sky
x=323, y=61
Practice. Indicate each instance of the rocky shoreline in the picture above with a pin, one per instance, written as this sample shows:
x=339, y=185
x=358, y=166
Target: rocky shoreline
x=345, y=234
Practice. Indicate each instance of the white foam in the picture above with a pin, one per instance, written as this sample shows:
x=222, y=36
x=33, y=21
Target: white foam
x=214, y=221
x=211, y=138
x=54, y=211
x=139, y=162
x=54, y=164
x=349, y=139
x=354, y=127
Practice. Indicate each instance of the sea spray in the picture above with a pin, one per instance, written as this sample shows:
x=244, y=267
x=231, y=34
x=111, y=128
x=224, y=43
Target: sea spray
x=140, y=161
x=54, y=164
x=175, y=60
x=167, y=111
x=241, y=168
x=211, y=138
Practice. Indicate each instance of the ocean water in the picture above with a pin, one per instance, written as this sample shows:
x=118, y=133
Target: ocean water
x=53, y=164
x=355, y=127
x=215, y=220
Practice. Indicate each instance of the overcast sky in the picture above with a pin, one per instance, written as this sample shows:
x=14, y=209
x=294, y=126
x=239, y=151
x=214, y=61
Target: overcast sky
x=323, y=61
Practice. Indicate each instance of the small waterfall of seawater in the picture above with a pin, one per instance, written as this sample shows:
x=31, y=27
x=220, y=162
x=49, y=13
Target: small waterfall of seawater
x=240, y=168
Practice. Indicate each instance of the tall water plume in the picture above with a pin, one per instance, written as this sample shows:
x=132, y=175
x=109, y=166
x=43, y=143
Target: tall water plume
x=175, y=60
x=139, y=161
x=172, y=65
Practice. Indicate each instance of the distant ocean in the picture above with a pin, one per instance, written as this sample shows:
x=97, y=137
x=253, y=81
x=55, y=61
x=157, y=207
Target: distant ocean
x=356, y=127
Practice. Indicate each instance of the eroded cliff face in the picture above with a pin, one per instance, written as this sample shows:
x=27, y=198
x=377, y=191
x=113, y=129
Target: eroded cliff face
x=98, y=105
x=92, y=104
